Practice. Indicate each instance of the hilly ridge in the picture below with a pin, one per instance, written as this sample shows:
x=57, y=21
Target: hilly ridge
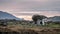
x=5, y=15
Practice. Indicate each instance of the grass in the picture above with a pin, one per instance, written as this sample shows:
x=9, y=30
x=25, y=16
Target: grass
x=25, y=25
x=54, y=25
x=33, y=28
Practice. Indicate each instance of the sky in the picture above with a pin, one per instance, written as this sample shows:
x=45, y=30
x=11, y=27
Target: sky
x=26, y=8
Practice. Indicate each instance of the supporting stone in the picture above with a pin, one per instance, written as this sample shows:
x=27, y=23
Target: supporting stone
x=38, y=22
x=43, y=23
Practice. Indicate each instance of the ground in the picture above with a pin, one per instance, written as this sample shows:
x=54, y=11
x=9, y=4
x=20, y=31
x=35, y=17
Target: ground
x=25, y=29
x=28, y=28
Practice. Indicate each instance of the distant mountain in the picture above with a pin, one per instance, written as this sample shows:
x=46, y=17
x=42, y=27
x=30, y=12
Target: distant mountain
x=5, y=15
x=54, y=19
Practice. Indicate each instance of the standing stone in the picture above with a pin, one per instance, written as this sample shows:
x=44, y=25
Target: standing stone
x=38, y=22
x=43, y=22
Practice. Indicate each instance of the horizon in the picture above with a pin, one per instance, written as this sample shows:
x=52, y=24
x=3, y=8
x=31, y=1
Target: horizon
x=26, y=8
x=26, y=17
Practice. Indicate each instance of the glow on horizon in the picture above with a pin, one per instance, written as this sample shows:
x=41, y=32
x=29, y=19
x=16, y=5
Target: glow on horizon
x=28, y=15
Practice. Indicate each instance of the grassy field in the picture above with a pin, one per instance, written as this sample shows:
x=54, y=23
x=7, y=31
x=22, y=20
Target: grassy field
x=17, y=29
x=29, y=25
x=25, y=28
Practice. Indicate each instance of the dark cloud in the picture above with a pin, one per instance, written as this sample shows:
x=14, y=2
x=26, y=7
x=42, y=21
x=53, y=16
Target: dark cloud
x=31, y=5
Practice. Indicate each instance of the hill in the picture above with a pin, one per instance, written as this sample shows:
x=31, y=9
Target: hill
x=54, y=19
x=5, y=15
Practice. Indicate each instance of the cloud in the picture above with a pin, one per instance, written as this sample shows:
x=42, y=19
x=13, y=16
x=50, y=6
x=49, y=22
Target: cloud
x=40, y=5
x=43, y=7
x=30, y=5
x=30, y=13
